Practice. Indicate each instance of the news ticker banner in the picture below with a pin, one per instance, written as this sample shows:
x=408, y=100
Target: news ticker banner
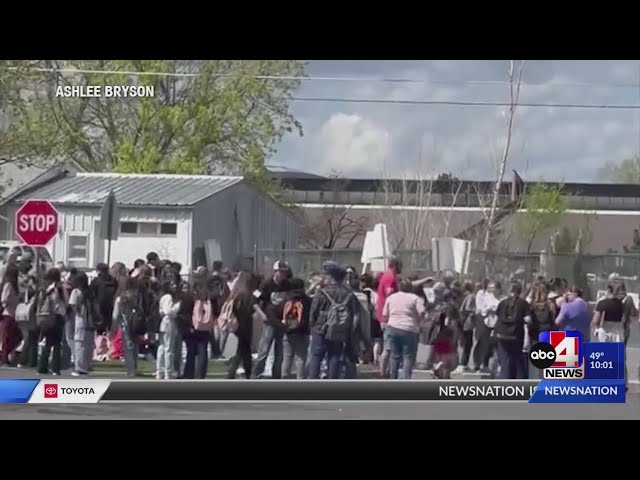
x=90, y=391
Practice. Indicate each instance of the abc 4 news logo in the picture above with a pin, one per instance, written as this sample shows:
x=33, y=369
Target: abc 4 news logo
x=554, y=360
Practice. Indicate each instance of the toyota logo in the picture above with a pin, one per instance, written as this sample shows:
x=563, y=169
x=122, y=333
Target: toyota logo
x=51, y=390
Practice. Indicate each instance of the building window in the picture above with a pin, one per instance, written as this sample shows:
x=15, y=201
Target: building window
x=168, y=229
x=145, y=228
x=129, y=227
x=149, y=228
x=78, y=250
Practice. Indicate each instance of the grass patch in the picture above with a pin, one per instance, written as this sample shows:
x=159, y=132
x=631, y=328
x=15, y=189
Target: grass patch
x=147, y=368
x=216, y=369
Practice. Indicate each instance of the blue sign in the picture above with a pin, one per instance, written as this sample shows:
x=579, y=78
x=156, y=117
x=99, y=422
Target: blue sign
x=604, y=361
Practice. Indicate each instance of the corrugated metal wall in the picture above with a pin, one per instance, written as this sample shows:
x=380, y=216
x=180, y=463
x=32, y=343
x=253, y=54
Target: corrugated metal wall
x=241, y=218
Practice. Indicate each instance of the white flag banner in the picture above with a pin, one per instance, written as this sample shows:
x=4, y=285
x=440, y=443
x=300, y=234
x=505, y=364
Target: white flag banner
x=376, y=250
x=450, y=254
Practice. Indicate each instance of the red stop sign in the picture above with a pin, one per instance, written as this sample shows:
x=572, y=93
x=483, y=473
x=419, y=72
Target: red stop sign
x=36, y=223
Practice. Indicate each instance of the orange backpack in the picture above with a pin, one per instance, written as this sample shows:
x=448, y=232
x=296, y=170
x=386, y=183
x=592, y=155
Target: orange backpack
x=292, y=315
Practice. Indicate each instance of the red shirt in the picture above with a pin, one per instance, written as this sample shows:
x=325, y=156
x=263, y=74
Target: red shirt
x=387, y=285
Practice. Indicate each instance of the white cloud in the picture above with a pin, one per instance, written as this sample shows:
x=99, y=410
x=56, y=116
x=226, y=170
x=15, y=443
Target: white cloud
x=351, y=144
x=568, y=144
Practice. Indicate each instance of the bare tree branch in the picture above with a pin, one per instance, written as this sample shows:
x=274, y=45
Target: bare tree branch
x=335, y=225
x=515, y=83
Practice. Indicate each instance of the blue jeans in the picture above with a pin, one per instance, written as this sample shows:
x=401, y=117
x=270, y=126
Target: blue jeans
x=270, y=335
x=166, y=348
x=130, y=349
x=404, y=349
x=510, y=360
x=196, y=364
x=320, y=347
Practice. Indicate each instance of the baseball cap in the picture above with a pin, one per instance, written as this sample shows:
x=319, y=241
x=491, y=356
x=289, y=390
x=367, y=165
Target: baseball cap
x=281, y=265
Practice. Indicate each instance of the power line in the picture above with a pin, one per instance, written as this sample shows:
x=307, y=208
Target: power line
x=371, y=101
x=296, y=78
x=466, y=104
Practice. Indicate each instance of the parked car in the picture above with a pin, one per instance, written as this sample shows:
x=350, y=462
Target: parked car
x=44, y=258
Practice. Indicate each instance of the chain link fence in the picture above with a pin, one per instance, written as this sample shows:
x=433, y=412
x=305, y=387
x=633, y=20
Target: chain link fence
x=590, y=272
x=307, y=262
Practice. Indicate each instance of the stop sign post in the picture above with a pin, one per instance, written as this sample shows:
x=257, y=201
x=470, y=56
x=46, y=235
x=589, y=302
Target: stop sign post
x=36, y=223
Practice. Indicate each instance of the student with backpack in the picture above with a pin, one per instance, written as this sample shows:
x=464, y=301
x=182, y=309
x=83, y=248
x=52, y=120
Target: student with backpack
x=81, y=303
x=128, y=318
x=467, y=325
x=218, y=292
x=543, y=315
x=237, y=317
x=295, y=321
x=334, y=314
x=104, y=289
x=49, y=310
x=196, y=321
x=513, y=313
x=271, y=297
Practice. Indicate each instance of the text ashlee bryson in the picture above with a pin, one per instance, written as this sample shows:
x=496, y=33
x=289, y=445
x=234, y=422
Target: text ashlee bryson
x=84, y=91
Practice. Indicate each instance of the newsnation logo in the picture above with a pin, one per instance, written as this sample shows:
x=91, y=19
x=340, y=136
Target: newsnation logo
x=69, y=391
x=559, y=355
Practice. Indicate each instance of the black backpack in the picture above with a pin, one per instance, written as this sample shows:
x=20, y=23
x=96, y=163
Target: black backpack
x=508, y=326
x=543, y=320
x=339, y=319
x=137, y=320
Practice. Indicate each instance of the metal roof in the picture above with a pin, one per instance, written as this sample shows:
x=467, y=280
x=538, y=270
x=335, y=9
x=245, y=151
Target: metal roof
x=131, y=189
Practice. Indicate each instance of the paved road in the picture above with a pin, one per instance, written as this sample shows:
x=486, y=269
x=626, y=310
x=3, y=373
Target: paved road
x=346, y=411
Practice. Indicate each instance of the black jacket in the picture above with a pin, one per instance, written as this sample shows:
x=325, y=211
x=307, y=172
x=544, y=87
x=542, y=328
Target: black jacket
x=184, y=317
x=104, y=289
x=512, y=315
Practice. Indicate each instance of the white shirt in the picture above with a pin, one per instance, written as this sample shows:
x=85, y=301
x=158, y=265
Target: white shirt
x=168, y=310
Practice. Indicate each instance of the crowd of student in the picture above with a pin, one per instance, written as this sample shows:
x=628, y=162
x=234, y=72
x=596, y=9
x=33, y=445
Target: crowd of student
x=321, y=327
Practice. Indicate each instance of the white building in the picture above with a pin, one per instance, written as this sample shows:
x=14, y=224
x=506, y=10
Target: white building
x=177, y=216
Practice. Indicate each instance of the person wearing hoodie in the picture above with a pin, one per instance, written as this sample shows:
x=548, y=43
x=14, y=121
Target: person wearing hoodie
x=81, y=302
x=295, y=322
x=487, y=301
x=169, y=306
x=49, y=309
x=10, y=334
x=127, y=312
x=333, y=318
x=103, y=289
x=513, y=313
x=68, y=342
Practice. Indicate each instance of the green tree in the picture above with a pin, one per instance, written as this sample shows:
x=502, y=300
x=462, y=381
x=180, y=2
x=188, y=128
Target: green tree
x=627, y=171
x=214, y=116
x=543, y=206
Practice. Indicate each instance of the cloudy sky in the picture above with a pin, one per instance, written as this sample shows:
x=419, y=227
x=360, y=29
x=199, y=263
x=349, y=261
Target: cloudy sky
x=549, y=143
